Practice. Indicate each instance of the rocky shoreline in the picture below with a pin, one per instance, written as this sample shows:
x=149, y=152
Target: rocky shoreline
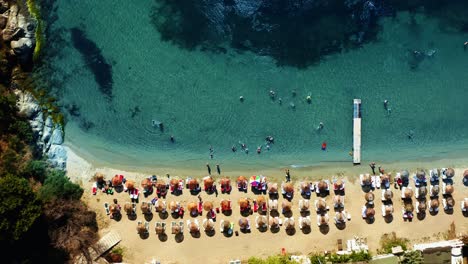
x=17, y=32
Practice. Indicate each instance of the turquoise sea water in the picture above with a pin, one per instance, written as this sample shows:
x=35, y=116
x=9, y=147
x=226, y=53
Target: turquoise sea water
x=196, y=95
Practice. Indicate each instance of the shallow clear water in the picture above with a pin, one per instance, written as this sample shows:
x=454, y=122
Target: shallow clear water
x=196, y=95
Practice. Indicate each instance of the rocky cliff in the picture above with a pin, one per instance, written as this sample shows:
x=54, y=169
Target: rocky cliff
x=17, y=34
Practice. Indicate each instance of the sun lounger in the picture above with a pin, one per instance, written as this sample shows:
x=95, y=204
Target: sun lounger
x=444, y=185
x=363, y=211
x=221, y=224
x=376, y=181
x=181, y=224
x=442, y=171
x=417, y=207
x=462, y=205
x=147, y=225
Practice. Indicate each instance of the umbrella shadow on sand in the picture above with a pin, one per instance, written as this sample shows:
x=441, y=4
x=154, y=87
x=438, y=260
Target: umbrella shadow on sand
x=210, y=233
x=287, y=214
x=274, y=213
x=163, y=215
x=291, y=231
x=227, y=212
x=179, y=237
x=421, y=215
x=324, y=229
x=340, y=226
x=262, y=229
x=149, y=217
x=162, y=237
x=388, y=219
x=370, y=220
x=144, y=235
x=132, y=217
x=274, y=230
x=195, y=234
x=306, y=230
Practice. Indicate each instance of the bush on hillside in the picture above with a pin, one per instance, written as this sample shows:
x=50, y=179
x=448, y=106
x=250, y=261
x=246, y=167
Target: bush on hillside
x=59, y=186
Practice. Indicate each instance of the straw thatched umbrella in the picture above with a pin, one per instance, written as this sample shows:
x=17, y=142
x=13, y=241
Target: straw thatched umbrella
x=409, y=207
x=434, y=203
x=465, y=174
x=388, y=210
x=193, y=227
x=128, y=208
x=160, y=205
x=304, y=205
x=225, y=205
x=288, y=187
x=244, y=203
x=422, y=191
x=449, y=189
x=435, y=190
x=272, y=187
x=370, y=212
x=225, y=182
x=422, y=206
x=273, y=204
x=366, y=179
x=173, y=205
x=260, y=200
x=177, y=229
x=323, y=220
x=192, y=184
x=145, y=208
x=243, y=223
x=306, y=222
x=321, y=205
x=369, y=197
x=116, y=180
x=146, y=184
x=339, y=183
x=192, y=207
x=305, y=187
x=286, y=205
x=99, y=176
x=208, y=182
x=208, y=225
x=208, y=206
x=408, y=193
x=241, y=179
x=113, y=208
x=322, y=185
x=340, y=217
x=450, y=172
x=261, y=221
x=388, y=194
x=450, y=201
x=159, y=229
x=338, y=200
x=465, y=204
x=141, y=228
x=130, y=184
x=174, y=183
x=404, y=174
x=274, y=221
x=421, y=174
x=226, y=225
x=289, y=223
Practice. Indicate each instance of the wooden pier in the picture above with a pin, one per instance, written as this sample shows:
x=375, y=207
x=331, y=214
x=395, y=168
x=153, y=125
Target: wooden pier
x=357, y=131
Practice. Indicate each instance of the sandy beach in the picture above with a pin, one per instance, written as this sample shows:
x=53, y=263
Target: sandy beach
x=221, y=249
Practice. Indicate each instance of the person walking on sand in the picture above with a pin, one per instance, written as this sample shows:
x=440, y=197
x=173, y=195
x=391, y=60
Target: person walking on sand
x=208, y=168
x=288, y=175
x=372, y=166
x=218, y=169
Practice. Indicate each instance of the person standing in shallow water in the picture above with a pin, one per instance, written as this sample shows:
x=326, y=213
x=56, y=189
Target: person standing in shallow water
x=218, y=169
x=288, y=175
x=208, y=168
x=372, y=166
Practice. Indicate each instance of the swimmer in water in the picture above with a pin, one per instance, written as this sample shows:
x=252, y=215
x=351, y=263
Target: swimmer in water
x=465, y=45
x=233, y=148
x=268, y=147
x=246, y=151
x=241, y=98
x=385, y=104
x=294, y=93
x=172, y=139
x=320, y=126
x=272, y=94
x=280, y=101
x=259, y=149
x=309, y=98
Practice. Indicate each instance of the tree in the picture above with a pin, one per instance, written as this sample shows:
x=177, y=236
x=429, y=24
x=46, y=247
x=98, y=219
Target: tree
x=412, y=257
x=59, y=186
x=19, y=207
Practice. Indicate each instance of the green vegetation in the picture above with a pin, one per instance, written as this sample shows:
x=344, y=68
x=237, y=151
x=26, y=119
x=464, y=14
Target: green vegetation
x=19, y=207
x=317, y=259
x=277, y=259
x=58, y=186
x=412, y=257
x=387, y=241
x=40, y=37
x=353, y=257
